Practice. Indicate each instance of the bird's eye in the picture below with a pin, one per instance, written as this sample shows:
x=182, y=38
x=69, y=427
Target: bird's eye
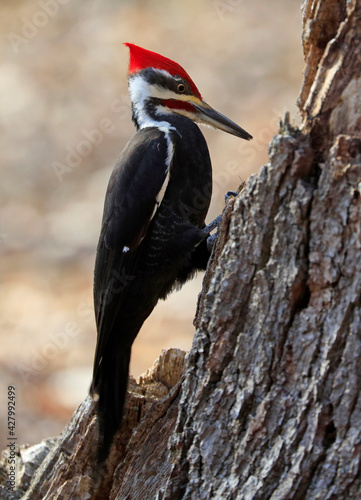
x=181, y=87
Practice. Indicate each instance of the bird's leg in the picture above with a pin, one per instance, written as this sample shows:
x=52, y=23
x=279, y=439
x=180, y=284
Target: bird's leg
x=211, y=239
x=213, y=225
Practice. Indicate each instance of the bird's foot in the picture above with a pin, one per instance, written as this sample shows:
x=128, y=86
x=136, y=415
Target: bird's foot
x=215, y=224
x=229, y=194
x=211, y=239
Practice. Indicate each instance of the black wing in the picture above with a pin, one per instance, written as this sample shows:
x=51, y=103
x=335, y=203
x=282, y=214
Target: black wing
x=131, y=199
x=136, y=181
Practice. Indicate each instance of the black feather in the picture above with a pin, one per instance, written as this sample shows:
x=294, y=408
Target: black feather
x=163, y=249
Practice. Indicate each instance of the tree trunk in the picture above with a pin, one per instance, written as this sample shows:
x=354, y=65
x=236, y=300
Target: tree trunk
x=269, y=403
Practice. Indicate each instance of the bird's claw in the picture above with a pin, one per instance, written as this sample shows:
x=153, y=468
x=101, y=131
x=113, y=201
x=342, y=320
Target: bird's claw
x=211, y=239
x=229, y=194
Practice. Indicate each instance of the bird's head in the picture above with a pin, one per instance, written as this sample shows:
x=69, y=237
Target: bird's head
x=159, y=86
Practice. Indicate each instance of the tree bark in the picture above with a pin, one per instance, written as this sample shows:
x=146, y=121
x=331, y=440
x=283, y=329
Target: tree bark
x=267, y=404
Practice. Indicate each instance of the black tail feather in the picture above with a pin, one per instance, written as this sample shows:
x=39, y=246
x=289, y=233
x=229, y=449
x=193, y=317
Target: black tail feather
x=111, y=386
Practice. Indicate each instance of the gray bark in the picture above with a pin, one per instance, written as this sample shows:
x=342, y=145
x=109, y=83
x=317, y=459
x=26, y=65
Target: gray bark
x=269, y=403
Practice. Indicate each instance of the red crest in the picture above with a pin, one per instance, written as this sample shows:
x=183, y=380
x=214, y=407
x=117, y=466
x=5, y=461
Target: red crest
x=142, y=58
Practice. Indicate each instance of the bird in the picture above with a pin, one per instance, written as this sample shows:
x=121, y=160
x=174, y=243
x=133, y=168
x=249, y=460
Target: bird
x=153, y=234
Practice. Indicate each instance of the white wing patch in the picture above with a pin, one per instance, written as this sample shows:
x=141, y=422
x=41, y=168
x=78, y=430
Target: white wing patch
x=160, y=195
x=170, y=153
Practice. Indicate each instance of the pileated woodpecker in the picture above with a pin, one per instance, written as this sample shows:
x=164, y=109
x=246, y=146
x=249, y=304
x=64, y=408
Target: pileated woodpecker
x=153, y=236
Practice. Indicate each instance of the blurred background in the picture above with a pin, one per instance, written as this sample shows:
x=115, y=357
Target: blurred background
x=64, y=118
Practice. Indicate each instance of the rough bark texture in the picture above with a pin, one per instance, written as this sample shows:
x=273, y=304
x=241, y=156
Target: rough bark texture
x=64, y=468
x=269, y=406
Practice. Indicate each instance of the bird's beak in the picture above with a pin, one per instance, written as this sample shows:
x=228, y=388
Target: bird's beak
x=209, y=116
